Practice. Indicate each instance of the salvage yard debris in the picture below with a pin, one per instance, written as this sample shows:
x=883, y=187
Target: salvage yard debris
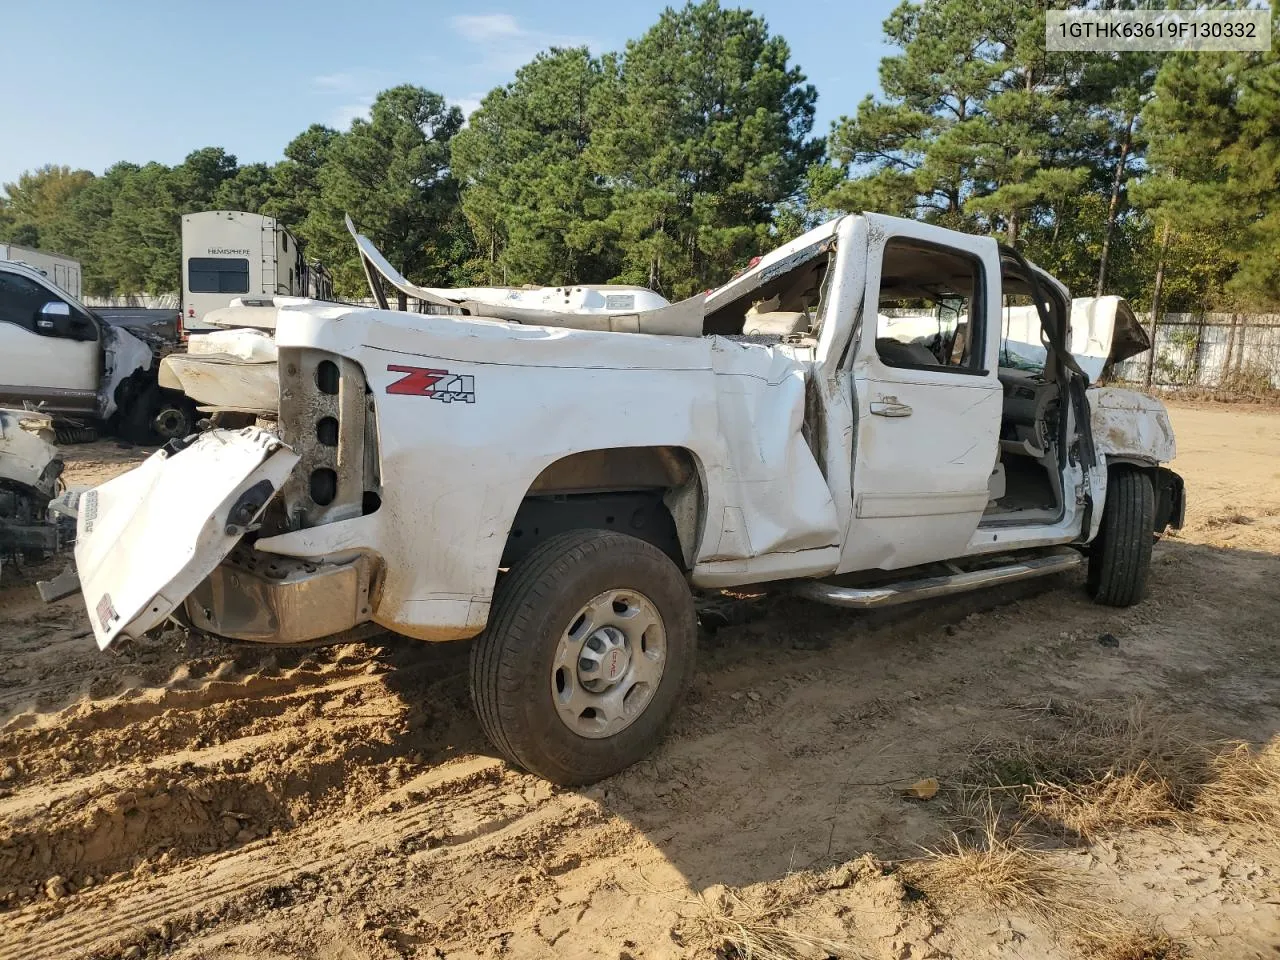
x=577, y=526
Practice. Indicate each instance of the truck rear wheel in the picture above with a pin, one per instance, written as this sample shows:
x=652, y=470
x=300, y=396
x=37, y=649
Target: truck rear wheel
x=1120, y=555
x=590, y=642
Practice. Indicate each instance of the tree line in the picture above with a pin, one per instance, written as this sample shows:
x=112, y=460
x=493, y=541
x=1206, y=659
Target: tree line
x=674, y=161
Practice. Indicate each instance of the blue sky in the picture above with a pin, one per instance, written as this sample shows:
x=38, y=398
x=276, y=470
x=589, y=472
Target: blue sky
x=144, y=80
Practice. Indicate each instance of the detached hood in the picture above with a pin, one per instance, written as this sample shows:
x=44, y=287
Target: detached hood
x=1104, y=331
x=602, y=307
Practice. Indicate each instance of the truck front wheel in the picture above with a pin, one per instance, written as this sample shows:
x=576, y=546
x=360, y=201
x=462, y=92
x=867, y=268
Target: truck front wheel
x=1121, y=553
x=156, y=416
x=590, y=642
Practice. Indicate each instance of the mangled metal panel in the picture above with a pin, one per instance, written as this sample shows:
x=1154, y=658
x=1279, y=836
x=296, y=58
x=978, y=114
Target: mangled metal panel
x=1131, y=425
x=603, y=307
x=326, y=413
x=1104, y=331
x=226, y=370
x=123, y=355
x=147, y=538
x=27, y=457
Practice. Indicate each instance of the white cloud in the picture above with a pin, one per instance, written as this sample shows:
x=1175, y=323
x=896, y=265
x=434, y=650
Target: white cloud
x=503, y=44
x=349, y=94
x=341, y=116
x=486, y=26
x=333, y=81
x=467, y=104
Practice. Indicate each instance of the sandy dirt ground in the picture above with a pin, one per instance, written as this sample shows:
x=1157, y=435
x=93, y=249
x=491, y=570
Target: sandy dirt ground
x=191, y=798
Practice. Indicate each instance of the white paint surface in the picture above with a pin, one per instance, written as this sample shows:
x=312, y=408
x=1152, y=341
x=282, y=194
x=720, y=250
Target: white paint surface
x=777, y=497
x=146, y=538
x=230, y=369
x=1131, y=425
x=920, y=480
x=24, y=450
x=30, y=359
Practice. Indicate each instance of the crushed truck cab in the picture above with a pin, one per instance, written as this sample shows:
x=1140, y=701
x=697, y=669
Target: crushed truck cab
x=878, y=411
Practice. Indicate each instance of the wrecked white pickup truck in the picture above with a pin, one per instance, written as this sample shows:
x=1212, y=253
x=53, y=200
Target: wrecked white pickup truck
x=555, y=491
x=60, y=357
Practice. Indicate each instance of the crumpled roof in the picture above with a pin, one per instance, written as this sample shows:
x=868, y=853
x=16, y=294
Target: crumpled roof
x=603, y=307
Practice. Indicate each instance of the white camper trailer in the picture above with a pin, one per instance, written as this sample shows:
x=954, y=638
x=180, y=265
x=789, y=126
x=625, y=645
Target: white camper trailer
x=62, y=271
x=230, y=254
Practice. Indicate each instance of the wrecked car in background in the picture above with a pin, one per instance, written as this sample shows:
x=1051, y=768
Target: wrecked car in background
x=30, y=479
x=552, y=481
x=58, y=356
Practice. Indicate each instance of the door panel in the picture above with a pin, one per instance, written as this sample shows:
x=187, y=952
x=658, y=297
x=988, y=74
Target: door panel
x=928, y=403
x=29, y=359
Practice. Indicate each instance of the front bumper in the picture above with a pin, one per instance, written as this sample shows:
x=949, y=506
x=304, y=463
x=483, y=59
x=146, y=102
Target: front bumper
x=279, y=600
x=1171, y=500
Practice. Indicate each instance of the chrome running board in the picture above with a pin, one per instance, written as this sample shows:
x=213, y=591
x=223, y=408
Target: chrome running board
x=861, y=598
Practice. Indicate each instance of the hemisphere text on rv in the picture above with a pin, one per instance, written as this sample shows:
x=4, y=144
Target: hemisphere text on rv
x=230, y=254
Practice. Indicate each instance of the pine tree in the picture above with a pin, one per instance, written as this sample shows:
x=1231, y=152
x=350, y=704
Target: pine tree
x=391, y=174
x=707, y=134
x=535, y=206
x=1214, y=125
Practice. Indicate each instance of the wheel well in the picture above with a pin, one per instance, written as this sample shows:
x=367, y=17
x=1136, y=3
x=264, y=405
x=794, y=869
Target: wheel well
x=1168, y=487
x=652, y=493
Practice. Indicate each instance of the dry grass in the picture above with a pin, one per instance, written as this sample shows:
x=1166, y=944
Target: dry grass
x=726, y=925
x=990, y=865
x=1142, y=945
x=1096, y=771
x=1104, y=771
x=1245, y=786
x=995, y=870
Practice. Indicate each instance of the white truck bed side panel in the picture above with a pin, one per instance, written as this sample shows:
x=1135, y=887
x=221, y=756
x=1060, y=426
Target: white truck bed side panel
x=471, y=461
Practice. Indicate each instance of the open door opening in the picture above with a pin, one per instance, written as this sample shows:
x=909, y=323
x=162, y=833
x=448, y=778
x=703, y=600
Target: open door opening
x=1026, y=486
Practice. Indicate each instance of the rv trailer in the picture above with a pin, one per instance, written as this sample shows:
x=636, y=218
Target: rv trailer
x=229, y=255
x=62, y=271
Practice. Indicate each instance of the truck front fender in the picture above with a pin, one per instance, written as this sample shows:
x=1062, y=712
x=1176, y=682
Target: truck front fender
x=1130, y=426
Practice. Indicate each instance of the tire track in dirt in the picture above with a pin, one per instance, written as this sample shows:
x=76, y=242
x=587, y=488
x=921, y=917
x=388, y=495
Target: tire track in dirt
x=285, y=769
x=369, y=819
x=209, y=884
x=86, y=737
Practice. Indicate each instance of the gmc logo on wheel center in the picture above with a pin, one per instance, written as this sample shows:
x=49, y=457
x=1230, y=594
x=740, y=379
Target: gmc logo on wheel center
x=429, y=382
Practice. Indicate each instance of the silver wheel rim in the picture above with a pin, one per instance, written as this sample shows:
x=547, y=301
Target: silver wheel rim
x=169, y=423
x=608, y=663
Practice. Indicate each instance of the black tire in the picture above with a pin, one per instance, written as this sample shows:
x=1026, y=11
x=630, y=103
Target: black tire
x=174, y=417
x=1120, y=556
x=156, y=416
x=135, y=419
x=68, y=435
x=535, y=604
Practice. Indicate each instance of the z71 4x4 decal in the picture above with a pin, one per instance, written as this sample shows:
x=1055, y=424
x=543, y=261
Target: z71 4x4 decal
x=436, y=384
